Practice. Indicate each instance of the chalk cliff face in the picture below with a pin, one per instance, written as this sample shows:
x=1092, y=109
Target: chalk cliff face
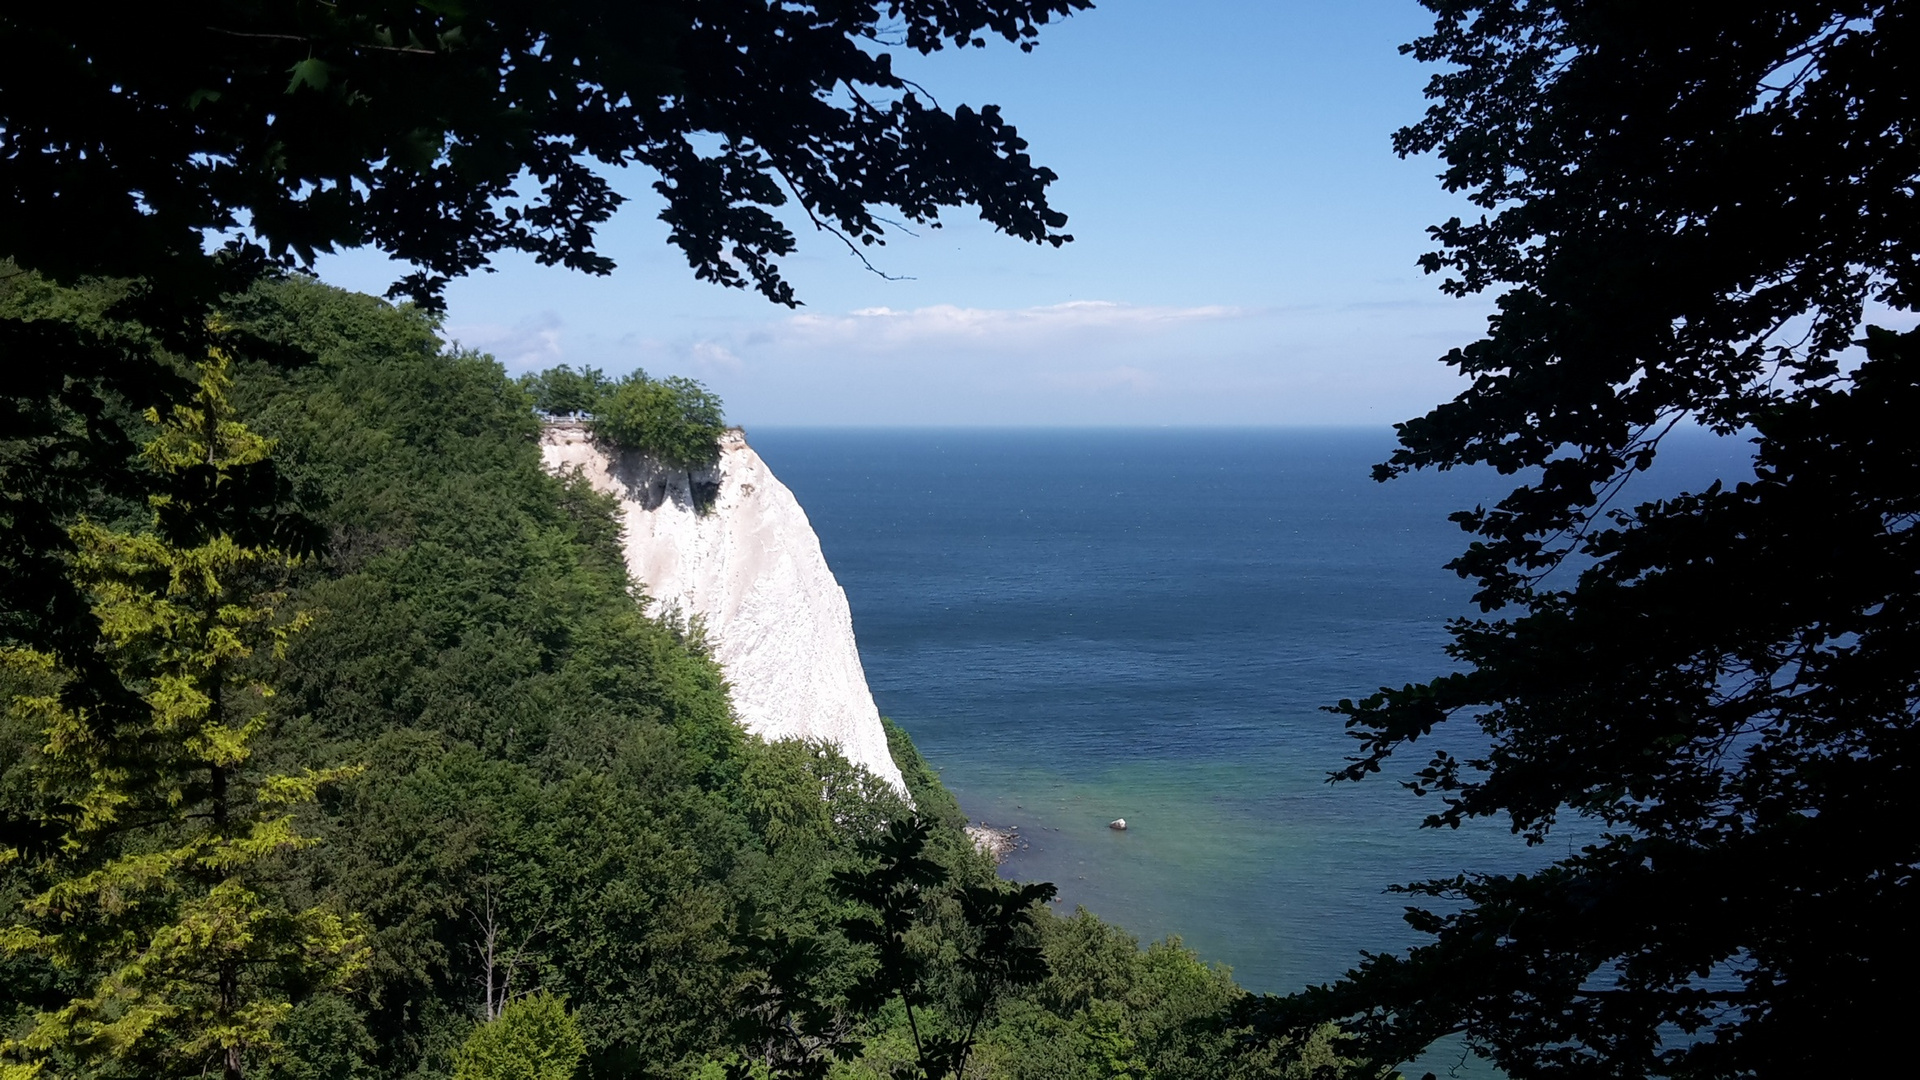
x=750, y=567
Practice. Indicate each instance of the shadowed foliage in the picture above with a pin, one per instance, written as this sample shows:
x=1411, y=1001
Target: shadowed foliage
x=185, y=152
x=1690, y=212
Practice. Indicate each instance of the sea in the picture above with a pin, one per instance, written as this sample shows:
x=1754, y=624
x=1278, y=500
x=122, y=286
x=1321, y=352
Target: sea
x=1079, y=626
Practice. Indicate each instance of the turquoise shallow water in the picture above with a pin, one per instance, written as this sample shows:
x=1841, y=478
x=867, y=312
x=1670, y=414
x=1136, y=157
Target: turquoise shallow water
x=1082, y=625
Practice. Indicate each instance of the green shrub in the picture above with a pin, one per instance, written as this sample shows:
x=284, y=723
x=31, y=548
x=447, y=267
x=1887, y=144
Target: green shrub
x=533, y=1038
x=561, y=390
x=675, y=419
x=325, y=1038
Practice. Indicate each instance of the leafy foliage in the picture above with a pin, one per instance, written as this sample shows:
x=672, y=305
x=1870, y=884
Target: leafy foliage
x=562, y=391
x=1109, y=1007
x=997, y=954
x=1689, y=211
x=147, y=852
x=533, y=1038
x=406, y=126
x=812, y=994
x=81, y=379
x=674, y=419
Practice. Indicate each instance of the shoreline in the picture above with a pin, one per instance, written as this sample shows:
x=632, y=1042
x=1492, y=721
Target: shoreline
x=995, y=841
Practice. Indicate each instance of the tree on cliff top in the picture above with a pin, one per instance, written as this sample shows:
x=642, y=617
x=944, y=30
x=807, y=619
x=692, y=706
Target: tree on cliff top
x=675, y=419
x=1690, y=208
x=560, y=390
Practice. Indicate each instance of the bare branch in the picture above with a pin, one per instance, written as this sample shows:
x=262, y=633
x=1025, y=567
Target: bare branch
x=312, y=41
x=827, y=227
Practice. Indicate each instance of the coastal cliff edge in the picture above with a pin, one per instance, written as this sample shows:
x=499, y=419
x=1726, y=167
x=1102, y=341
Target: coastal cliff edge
x=728, y=546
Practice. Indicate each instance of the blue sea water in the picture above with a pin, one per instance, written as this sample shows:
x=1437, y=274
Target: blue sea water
x=1078, y=626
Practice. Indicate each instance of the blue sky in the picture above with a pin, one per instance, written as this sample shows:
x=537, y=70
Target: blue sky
x=1244, y=252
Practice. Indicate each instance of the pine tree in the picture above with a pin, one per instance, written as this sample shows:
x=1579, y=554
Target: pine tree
x=152, y=846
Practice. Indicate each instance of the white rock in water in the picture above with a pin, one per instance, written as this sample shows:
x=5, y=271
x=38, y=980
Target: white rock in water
x=751, y=569
x=1118, y=824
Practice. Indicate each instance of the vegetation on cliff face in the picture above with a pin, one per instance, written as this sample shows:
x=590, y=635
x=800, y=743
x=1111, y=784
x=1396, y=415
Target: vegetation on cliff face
x=539, y=791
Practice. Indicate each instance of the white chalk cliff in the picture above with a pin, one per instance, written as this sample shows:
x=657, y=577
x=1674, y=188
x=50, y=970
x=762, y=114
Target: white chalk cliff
x=751, y=569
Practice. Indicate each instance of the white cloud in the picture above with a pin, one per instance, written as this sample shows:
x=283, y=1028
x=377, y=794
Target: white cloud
x=1083, y=362
x=710, y=354
x=883, y=328
x=527, y=345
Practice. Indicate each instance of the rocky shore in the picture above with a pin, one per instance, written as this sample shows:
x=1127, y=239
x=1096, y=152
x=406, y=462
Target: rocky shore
x=994, y=840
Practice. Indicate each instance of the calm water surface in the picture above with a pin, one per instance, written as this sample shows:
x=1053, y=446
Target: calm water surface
x=1077, y=626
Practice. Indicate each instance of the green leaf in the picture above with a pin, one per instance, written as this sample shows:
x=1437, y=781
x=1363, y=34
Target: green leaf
x=312, y=71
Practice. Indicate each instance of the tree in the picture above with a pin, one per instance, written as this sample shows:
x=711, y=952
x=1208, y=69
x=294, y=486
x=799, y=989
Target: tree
x=997, y=950
x=674, y=419
x=796, y=1019
x=150, y=844
x=298, y=128
x=1691, y=210
x=184, y=152
x=560, y=390
x=533, y=1038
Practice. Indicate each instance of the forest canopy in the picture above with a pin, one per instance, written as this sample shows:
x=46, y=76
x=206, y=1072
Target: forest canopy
x=444, y=134
x=535, y=809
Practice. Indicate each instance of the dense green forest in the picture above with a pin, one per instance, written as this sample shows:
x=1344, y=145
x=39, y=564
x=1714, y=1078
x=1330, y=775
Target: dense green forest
x=334, y=743
x=533, y=805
